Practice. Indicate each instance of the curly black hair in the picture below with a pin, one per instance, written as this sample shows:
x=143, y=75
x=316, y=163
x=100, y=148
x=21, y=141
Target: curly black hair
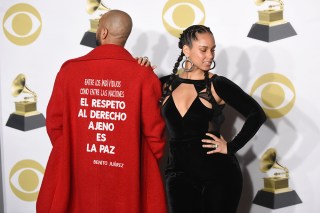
x=186, y=38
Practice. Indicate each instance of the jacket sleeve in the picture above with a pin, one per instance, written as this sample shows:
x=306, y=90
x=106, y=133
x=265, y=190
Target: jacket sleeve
x=254, y=115
x=54, y=113
x=151, y=120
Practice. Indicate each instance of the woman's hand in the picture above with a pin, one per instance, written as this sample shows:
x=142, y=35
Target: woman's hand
x=144, y=61
x=219, y=145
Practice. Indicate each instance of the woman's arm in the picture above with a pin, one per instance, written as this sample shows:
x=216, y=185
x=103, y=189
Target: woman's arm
x=254, y=115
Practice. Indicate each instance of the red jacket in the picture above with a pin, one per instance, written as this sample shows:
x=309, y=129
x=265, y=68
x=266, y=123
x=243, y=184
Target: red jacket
x=104, y=123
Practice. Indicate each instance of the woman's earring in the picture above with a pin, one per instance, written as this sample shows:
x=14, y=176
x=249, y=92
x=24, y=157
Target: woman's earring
x=183, y=65
x=214, y=65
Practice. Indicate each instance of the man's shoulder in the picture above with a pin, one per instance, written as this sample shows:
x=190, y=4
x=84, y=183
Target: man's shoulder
x=142, y=71
x=70, y=61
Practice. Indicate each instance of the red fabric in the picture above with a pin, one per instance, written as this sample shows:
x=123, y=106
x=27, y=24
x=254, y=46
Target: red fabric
x=81, y=179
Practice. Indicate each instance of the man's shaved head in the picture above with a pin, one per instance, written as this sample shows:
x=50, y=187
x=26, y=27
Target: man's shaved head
x=114, y=28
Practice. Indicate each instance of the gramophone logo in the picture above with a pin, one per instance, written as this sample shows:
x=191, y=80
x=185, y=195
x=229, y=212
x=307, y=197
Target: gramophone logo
x=22, y=24
x=95, y=8
x=25, y=178
x=276, y=192
x=271, y=25
x=177, y=15
x=26, y=117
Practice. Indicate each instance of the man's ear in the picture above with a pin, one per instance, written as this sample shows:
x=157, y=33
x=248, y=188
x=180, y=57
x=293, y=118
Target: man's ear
x=104, y=33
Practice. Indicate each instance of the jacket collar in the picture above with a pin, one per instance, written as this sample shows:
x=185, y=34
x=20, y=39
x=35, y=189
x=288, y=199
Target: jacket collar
x=107, y=51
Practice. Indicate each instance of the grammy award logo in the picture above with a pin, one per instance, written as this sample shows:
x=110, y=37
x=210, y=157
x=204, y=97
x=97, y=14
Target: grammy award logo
x=95, y=8
x=26, y=117
x=276, y=192
x=271, y=25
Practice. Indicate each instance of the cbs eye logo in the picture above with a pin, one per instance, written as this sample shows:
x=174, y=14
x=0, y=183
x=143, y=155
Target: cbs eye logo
x=25, y=179
x=22, y=24
x=177, y=15
x=277, y=94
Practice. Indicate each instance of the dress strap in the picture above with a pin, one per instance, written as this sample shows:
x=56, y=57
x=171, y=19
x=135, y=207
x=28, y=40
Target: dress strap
x=208, y=91
x=217, y=108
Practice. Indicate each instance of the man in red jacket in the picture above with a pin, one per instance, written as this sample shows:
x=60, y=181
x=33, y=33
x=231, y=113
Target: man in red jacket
x=104, y=123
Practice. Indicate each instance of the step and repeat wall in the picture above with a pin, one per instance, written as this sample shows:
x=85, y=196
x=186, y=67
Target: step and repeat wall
x=271, y=49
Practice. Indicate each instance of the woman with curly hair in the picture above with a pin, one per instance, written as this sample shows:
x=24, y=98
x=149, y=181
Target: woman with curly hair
x=203, y=174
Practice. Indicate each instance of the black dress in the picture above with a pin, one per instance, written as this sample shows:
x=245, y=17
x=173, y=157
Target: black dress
x=195, y=181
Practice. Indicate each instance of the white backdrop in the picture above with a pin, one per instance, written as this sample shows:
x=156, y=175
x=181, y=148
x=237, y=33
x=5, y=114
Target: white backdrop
x=244, y=60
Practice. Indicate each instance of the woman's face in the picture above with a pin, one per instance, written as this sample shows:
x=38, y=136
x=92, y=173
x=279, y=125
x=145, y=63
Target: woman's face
x=202, y=51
